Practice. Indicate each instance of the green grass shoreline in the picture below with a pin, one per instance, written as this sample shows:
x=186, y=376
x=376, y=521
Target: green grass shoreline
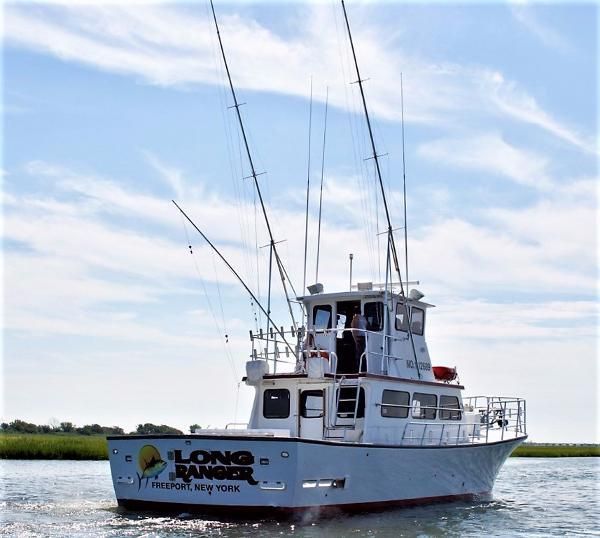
x=64, y=446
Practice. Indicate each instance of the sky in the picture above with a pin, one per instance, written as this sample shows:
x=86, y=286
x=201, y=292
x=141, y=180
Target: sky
x=110, y=111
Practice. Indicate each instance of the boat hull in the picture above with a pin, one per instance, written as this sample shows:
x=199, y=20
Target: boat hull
x=256, y=476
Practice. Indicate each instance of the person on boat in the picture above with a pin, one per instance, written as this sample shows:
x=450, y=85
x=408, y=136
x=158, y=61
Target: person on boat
x=359, y=326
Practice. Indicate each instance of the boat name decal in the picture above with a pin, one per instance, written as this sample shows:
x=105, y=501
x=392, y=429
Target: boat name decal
x=422, y=365
x=214, y=465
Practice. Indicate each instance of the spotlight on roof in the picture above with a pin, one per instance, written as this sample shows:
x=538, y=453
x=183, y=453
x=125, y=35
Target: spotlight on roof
x=315, y=288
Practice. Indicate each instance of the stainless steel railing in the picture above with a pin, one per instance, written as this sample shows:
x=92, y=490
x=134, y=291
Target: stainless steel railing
x=502, y=417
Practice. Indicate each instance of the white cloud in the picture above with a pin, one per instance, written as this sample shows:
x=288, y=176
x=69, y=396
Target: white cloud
x=72, y=246
x=525, y=15
x=507, y=98
x=172, y=176
x=174, y=46
x=490, y=153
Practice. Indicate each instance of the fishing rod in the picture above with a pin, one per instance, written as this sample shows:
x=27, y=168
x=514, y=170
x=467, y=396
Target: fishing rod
x=254, y=176
x=236, y=274
x=391, y=243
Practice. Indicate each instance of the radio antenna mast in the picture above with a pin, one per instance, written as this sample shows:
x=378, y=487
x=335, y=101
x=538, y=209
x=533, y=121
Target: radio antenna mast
x=321, y=192
x=307, y=186
x=273, y=254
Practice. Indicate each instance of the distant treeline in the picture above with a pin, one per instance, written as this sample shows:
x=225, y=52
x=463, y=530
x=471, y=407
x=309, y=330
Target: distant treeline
x=20, y=426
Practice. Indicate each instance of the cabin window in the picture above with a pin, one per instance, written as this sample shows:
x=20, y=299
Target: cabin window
x=374, y=316
x=347, y=402
x=417, y=319
x=401, y=321
x=449, y=408
x=322, y=317
x=395, y=404
x=311, y=404
x=276, y=403
x=424, y=406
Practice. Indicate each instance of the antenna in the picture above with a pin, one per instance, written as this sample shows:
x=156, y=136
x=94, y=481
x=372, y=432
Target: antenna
x=321, y=192
x=351, y=256
x=404, y=182
x=273, y=253
x=307, y=186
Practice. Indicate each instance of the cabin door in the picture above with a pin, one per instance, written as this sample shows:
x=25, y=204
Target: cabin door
x=311, y=418
x=345, y=347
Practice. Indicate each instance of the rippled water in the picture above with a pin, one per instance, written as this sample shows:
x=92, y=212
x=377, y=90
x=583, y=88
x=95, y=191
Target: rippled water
x=532, y=497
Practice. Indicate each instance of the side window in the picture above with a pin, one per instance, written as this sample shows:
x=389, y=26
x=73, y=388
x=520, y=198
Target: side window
x=417, y=320
x=374, y=316
x=401, y=320
x=347, y=403
x=322, y=317
x=395, y=403
x=450, y=408
x=424, y=406
x=276, y=403
x=311, y=404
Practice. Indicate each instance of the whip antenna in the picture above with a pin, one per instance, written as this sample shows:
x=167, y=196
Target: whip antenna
x=307, y=186
x=273, y=254
x=404, y=182
x=321, y=192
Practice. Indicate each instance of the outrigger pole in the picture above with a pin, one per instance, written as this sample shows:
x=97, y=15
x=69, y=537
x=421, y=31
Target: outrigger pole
x=229, y=266
x=273, y=250
x=391, y=242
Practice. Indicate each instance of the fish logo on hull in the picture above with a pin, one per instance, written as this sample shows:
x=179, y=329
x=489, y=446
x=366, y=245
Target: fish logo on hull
x=150, y=464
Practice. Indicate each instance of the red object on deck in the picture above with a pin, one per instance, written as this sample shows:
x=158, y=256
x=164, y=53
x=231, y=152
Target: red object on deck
x=444, y=373
x=319, y=353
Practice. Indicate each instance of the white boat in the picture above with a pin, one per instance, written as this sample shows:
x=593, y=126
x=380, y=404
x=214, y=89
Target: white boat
x=363, y=421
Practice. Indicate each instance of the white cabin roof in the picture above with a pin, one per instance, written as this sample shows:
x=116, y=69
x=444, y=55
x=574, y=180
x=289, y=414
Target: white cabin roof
x=356, y=296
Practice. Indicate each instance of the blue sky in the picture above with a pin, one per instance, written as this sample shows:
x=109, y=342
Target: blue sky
x=111, y=111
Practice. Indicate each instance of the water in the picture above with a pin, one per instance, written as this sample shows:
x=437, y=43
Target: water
x=532, y=497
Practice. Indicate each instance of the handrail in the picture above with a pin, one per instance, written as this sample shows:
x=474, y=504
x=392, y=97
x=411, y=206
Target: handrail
x=311, y=335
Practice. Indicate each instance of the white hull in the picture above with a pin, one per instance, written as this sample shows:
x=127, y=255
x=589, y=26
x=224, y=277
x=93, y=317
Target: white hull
x=253, y=474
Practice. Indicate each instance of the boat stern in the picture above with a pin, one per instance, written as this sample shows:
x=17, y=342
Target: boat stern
x=180, y=472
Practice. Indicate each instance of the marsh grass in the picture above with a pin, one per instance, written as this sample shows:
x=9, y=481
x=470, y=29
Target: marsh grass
x=556, y=451
x=54, y=446
x=67, y=446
